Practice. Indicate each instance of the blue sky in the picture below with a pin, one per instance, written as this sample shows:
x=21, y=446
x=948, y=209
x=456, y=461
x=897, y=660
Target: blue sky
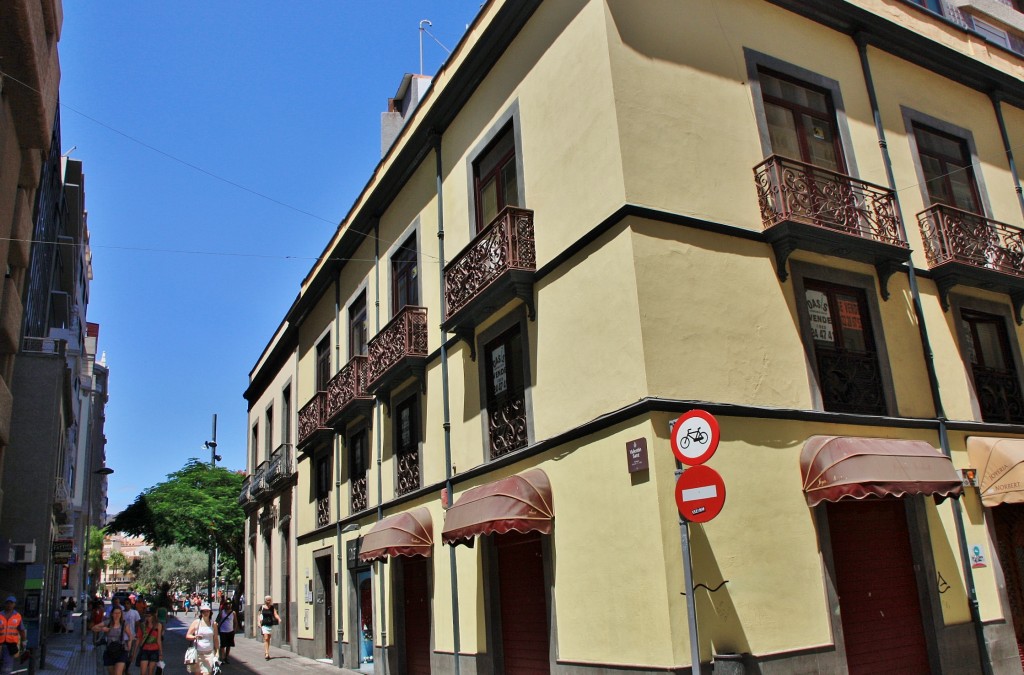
x=222, y=143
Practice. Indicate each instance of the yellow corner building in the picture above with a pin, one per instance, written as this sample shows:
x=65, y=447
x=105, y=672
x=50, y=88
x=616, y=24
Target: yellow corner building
x=800, y=216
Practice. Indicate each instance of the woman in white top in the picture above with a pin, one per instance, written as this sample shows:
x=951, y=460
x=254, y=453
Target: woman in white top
x=207, y=641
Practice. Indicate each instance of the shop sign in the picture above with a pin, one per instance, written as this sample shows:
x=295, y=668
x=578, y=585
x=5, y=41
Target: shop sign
x=978, y=556
x=352, y=553
x=61, y=551
x=636, y=455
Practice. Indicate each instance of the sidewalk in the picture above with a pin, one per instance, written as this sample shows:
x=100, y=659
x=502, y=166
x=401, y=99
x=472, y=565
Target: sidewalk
x=64, y=654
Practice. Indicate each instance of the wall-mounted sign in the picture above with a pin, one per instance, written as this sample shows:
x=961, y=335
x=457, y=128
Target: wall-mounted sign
x=61, y=550
x=352, y=553
x=636, y=455
x=700, y=494
x=978, y=556
x=695, y=437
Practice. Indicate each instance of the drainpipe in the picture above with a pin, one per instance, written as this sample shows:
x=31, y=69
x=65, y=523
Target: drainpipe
x=929, y=359
x=380, y=447
x=338, y=548
x=997, y=105
x=436, y=138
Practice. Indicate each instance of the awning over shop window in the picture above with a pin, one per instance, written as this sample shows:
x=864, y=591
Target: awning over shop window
x=408, y=534
x=850, y=467
x=1000, y=465
x=521, y=502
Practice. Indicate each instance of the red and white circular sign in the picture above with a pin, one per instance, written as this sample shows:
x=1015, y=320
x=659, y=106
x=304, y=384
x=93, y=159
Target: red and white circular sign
x=695, y=437
x=700, y=494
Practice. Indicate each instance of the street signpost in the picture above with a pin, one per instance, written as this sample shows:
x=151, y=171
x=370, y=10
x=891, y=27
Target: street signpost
x=700, y=496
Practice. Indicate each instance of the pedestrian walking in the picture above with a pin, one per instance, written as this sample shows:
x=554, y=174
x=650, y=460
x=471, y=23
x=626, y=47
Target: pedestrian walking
x=132, y=618
x=151, y=644
x=226, y=630
x=268, y=619
x=12, y=630
x=95, y=619
x=119, y=642
x=164, y=603
x=207, y=642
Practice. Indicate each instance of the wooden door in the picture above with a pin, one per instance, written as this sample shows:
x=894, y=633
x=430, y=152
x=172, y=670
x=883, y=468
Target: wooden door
x=416, y=605
x=1009, y=521
x=523, y=604
x=877, y=587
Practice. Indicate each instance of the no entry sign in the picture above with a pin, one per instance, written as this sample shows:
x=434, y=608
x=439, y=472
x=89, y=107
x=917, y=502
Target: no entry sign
x=700, y=494
x=695, y=437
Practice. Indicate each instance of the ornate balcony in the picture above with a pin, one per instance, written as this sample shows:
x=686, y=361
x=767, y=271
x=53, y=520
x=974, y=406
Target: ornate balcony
x=408, y=478
x=507, y=426
x=965, y=248
x=398, y=352
x=279, y=469
x=323, y=510
x=61, y=501
x=347, y=397
x=245, y=496
x=258, y=485
x=496, y=267
x=804, y=207
x=999, y=395
x=313, y=422
x=359, y=494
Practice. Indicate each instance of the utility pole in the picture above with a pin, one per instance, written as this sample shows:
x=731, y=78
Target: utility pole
x=212, y=447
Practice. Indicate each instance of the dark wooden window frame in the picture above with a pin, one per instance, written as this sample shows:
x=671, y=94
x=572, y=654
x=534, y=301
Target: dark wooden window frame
x=322, y=374
x=509, y=119
x=806, y=271
x=287, y=411
x=254, y=442
x=496, y=330
x=961, y=303
x=831, y=118
x=357, y=340
x=405, y=267
x=416, y=445
x=945, y=160
x=268, y=436
x=500, y=163
x=357, y=431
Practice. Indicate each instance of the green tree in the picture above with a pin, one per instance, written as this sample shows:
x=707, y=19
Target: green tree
x=96, y=562
x=196, y=506
x=117, y=561
x=182, y=567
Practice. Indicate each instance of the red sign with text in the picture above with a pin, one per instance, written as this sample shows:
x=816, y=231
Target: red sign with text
x=700, y=494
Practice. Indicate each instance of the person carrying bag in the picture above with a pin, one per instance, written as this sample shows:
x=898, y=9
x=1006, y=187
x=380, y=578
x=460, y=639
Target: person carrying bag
x=202, y=656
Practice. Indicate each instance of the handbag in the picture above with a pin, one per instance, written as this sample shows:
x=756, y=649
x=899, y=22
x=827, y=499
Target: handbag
x=115, y=650
x=191, y=655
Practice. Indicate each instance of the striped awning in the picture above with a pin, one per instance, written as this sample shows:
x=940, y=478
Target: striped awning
x=1000, y=465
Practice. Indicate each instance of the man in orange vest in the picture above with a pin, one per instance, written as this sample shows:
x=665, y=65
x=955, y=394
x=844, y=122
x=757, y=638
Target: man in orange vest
x=12, y=632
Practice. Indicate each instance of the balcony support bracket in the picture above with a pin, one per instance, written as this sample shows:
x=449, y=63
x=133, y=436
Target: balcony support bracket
x=468, y=335
x=1017, y=297
x=782, y=248
x=886, y=268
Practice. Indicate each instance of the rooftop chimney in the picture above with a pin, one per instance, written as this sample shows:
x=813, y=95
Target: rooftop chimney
x=400, y=108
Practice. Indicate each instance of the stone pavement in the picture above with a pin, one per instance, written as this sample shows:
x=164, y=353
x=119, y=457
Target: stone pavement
x=64, y=655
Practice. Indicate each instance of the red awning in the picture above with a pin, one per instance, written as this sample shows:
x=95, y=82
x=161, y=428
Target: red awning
x=850, y=467
x=408, y=534
x=521, y=502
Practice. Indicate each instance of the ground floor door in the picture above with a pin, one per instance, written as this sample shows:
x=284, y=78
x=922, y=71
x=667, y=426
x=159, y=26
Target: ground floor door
x=364, y=619
x=1009, y=526
x=323, y=619
x=416, y=619
x=878, y=597
x=522, y=598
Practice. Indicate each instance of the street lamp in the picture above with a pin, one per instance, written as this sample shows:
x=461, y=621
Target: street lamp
x=102, y=471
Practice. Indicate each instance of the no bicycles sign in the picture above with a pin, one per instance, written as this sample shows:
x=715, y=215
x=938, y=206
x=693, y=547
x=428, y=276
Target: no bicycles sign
x=695, y=437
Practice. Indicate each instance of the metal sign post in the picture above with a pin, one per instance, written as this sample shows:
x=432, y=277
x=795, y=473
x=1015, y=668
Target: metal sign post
x=691, y=601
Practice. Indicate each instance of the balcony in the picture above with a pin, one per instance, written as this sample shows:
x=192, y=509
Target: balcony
x=495, y=268
x=408, y=474
x=360, y=496
x=61, y=501
x=965, y=248
x=347, y=397
x=279, y=469
x=398, y=352
x=312, y=422
x=807, y=208
x=258, y=486
x=323, y=511
x=245, y=496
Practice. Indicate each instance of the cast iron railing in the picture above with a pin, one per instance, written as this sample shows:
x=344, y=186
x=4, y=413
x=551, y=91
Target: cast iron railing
x=258, y=487
x=850, y=382
x=359, y=495
x=312, y=416
x=279, y=470
x=408, y=478
x=507, y=426
x=323, y=510
x=999, y=395
x=403, y=336
x=347, y=386
x=788, y=190
x=953, y=235
x=505, y=244
x=244, y=497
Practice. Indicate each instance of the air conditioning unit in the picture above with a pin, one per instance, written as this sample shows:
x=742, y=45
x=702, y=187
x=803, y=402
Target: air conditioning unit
x=23, y=553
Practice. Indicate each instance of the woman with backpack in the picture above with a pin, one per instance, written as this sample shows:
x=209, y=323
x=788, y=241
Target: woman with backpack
x=119, y=642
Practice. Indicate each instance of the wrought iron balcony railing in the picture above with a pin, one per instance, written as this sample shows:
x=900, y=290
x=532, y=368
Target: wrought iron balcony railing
x=496, y=266
x=347, y=397
x=807, y=207
x=61, y=500
x=360, y=499
x=965, y=248
x=408, y=475
x=507, y=426
x=999, y=395
x=323, y=510
x=313, y=419
x=279, y=469
x=258, y=486
x=398, y=351
x=245, y=496
x=851, y=382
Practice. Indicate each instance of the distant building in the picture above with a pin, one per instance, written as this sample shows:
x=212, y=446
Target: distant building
x=133, y=549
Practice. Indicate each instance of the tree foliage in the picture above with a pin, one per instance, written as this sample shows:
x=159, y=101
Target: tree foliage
x=96, y=562
x=196, y=506
x=117, y=562
x=182, y=567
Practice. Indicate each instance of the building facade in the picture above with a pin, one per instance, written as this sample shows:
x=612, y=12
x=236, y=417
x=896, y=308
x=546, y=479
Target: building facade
x=801, y=217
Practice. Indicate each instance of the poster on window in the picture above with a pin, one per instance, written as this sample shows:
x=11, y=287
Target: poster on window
x=820, y=316
x=849, y=314
x=498, y=370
